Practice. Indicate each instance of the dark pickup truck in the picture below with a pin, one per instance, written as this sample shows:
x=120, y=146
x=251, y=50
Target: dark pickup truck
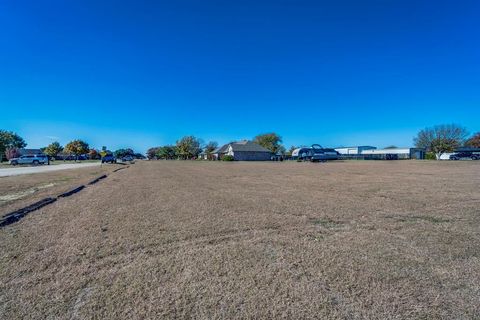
x=109, y=158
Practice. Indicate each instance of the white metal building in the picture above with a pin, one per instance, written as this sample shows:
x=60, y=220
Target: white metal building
x=401, y=153
x=353, y=150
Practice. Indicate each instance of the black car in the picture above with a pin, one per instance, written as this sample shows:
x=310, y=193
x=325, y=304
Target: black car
x=465, y=155
x=109, y=158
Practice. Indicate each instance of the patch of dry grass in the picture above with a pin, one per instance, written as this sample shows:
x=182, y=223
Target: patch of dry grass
x=170, y=239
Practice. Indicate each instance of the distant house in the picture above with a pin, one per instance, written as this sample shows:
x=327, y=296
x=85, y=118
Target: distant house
x=243, y=151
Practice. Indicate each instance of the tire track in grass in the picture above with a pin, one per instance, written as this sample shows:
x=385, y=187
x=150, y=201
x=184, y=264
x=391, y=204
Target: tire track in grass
x=17, y=215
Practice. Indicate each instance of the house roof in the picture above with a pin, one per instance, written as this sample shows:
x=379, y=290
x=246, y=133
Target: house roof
x=222, y=149
x=242, y=146
x=467, y=149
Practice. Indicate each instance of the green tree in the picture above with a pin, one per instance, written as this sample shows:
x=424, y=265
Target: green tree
x=441, y=139
x=270, y=141
x=474, y=141
x=123, y=152
x=166, y=152
x=119, y=153
x=77, y=148
x=188, y=147
x=9, y=140
x=53, y=149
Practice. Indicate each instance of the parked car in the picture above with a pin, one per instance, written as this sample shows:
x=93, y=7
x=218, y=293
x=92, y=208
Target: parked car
x=139, y=156
x=109, y=158
x=128, y=158
x=35, y=159
x=465, y=155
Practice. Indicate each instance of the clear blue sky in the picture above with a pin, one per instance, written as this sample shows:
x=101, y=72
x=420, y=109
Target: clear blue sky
x=144, y=73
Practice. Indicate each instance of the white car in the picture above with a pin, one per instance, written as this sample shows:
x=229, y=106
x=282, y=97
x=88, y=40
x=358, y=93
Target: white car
x=35, y=159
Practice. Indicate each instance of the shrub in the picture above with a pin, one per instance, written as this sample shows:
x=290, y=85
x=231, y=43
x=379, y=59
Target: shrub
x=227, y=158
x=430, y=156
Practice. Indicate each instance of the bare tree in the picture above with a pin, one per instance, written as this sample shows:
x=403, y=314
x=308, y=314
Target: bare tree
x=474, y=141
x=210, y=148
x=290, y=151
x=441, y=139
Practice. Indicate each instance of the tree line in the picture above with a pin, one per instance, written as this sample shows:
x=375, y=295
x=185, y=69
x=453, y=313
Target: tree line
x=190, y=147
x=435, y=140
x=11, y=143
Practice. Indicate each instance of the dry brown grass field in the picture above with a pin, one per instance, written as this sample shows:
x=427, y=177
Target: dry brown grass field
x=212, y=240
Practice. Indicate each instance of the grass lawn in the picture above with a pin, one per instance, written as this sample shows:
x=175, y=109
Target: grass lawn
x=211, y=240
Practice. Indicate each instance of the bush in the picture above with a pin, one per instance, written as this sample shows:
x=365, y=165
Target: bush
x=227, y=158
x=430, y=156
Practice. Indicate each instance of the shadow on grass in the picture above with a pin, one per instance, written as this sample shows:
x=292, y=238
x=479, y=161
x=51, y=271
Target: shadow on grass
x=326, y=222
x=416, y=218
